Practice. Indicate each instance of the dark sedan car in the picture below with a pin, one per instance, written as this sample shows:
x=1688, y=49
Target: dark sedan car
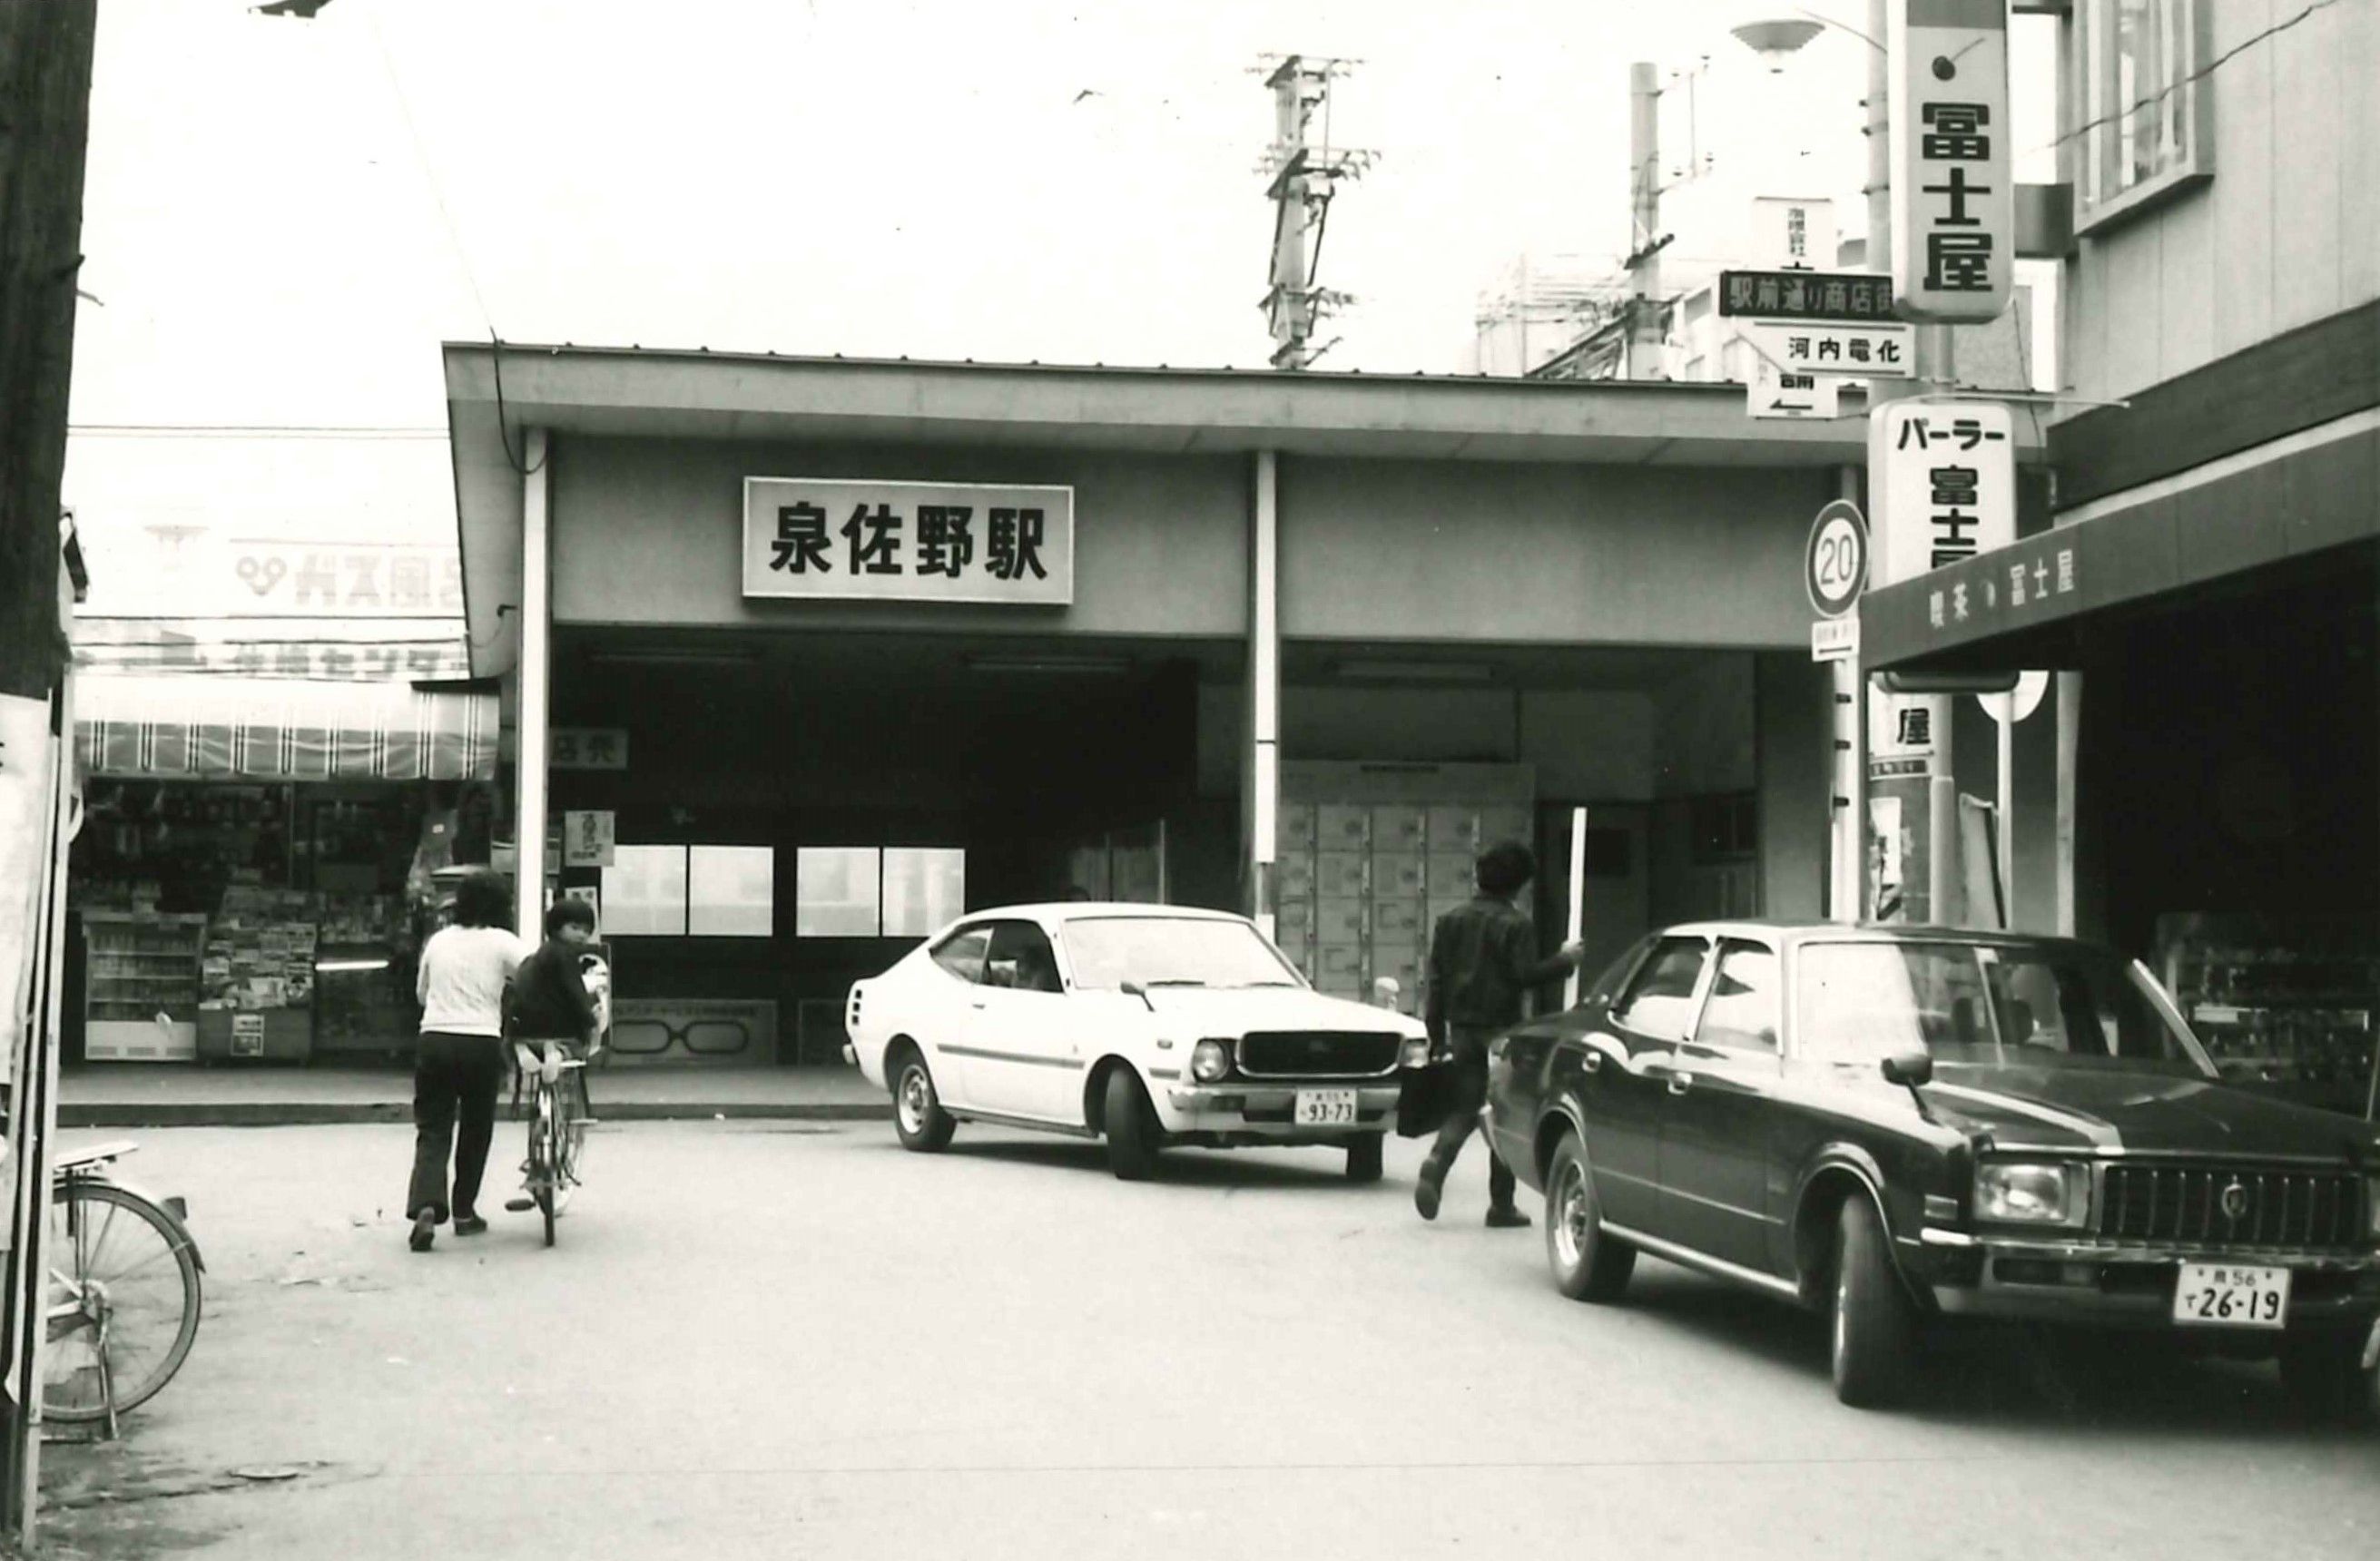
x=1897, y=1125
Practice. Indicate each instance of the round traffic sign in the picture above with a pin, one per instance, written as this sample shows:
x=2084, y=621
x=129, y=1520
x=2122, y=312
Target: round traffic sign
x=1834, y=570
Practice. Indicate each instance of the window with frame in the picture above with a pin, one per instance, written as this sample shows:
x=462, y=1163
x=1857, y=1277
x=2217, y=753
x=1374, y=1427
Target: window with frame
x=871, y=891
x=1741, y=1014
x=1660, y=1000
x=2147, y=115
x=691, y=891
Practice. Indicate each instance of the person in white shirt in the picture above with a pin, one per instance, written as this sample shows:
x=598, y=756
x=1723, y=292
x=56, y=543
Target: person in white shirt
x=461, y=1060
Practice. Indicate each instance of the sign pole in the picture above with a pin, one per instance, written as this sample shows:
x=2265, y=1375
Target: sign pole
x=1577, y=898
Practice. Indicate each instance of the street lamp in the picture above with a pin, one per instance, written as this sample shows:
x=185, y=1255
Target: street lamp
x=1776, y=39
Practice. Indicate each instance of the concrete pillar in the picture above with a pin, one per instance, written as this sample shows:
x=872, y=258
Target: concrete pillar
x=533, y=723
x=1260, y=764
x=2070, y=737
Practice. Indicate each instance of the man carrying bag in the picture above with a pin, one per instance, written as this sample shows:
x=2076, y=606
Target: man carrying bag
x=1482, y=963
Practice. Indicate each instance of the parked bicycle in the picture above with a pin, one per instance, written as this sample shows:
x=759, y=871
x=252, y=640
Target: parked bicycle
x=123, y=1291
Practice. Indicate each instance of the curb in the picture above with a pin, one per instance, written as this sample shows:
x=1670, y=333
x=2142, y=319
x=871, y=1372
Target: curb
x=279, y=1114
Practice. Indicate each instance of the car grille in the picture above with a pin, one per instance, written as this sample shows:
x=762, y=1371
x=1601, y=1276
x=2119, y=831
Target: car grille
x=2274, y=1208
x=1296, y=1054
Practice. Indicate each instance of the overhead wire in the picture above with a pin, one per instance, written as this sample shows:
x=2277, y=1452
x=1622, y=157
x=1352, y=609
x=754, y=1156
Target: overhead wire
x=2170, y=88
x=455, y=239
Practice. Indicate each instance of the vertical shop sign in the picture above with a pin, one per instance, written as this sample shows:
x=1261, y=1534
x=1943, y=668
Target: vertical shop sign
x=817, y=538
x=587, y=839
x=1953, y=190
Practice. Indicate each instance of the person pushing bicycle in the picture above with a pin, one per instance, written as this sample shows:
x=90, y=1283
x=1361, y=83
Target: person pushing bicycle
x=550, y=1012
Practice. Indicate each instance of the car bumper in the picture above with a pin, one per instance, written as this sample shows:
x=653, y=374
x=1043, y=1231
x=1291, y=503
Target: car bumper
x=2125, y=1286
x=1246, y=1111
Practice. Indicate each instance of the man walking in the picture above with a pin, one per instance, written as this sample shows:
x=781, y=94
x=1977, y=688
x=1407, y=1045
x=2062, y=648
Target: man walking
x=1482, y=959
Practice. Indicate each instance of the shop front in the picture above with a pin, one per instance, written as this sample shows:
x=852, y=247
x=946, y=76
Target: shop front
x=803, y=659
x=251, y=877
x=2216, y=801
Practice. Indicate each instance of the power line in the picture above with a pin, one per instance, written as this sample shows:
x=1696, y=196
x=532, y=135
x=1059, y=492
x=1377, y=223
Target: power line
x=455, y=239
x=2199, y=75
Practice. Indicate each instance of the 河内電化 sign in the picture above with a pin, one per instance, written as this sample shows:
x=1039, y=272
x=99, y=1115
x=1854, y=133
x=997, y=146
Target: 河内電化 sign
x=1946, y=474
x=830, y=539
x=1953, y=189
x=1880, y=351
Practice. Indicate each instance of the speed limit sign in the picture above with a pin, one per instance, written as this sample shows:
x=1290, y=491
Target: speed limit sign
x=1835, y=566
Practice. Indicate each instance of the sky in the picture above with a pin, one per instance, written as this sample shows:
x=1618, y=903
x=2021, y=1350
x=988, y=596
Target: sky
x=284, y=218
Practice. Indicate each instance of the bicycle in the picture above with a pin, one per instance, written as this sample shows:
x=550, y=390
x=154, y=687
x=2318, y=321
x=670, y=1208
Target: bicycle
x=557, y=1136
x=123, y=1293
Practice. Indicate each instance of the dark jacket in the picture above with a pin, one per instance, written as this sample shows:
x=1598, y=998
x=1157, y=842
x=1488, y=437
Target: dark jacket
x=1483, y=960
x=549, y=999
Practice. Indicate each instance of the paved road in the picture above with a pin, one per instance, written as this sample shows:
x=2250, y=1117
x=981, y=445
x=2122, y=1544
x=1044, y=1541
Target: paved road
x=795, y=1339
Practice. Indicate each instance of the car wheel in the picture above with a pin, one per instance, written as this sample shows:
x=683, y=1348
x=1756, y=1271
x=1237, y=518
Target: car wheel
x=1874, y=1327
x=1364, y=1157
x=1588, y=1263
x=918, y=1114
x=1131, y=1125
x=2324, y=1372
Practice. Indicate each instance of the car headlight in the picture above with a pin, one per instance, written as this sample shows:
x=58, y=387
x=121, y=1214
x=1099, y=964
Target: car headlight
x=1415, y=1053
x=2023, y=1192
x=1210, y=1060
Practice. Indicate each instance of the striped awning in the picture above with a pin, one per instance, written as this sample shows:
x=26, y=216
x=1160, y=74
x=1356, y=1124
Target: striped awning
x=272, y=728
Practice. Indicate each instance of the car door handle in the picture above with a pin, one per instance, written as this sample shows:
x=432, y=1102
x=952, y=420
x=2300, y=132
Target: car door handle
x=978, y=1003
x=1680, y=1082
x=1594, y=1064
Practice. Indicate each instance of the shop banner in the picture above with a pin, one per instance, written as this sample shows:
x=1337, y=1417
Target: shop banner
x=816, y=538
x=315, y=649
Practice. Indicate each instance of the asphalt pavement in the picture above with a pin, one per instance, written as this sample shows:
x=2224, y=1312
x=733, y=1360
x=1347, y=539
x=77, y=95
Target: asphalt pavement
x=794, y=1340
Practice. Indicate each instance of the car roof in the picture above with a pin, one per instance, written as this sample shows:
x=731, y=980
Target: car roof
x=1050, y=913
x=1781, y=930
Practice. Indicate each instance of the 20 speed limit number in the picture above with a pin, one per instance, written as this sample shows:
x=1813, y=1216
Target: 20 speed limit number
x=1835, y=569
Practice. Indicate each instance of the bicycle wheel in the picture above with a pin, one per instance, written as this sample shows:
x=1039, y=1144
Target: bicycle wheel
x=544, y=1158
x=570, y=1138
x=123, y=1301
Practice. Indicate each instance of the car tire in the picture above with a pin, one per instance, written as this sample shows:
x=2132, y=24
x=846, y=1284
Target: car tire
x=1588, y=1263
x=1131, y=1126
x=1874, y=1327
x=2324, y=1375
x=918, y=1114
x=1365, y=1154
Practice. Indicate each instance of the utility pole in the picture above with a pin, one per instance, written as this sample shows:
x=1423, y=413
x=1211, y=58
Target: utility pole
x=1304, y=176
x=1927, y=805
x=46, y=60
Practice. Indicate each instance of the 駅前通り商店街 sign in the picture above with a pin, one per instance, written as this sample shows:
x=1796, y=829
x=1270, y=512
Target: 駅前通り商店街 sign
x=823, y=539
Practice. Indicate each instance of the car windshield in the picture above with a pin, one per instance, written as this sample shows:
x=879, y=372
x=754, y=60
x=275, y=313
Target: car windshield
x=1107, y=951
x=1992, y=1005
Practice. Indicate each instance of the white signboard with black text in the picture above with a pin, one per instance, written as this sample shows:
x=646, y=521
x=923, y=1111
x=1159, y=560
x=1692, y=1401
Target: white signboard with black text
x=1881, y=350
x=1772, y=392
x=818, y=539
x=1945, y=471
x=1953, y=190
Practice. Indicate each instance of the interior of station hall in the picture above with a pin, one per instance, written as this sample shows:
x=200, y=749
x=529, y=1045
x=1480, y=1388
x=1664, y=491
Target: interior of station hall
x=1322, y=638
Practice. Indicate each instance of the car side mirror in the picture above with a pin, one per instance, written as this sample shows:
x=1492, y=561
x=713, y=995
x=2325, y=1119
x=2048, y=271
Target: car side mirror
x=1135, y=989
x=1909, y=1069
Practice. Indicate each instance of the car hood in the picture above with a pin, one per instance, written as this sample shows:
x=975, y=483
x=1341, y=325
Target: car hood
x=1234, y=1011
x=2088, y=1111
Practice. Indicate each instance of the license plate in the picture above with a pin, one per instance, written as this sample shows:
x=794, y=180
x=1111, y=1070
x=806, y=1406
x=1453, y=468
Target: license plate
x=2222, y=1295
x=1326, y=1109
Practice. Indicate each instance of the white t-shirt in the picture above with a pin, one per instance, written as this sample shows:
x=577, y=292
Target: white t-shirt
x=462, y=982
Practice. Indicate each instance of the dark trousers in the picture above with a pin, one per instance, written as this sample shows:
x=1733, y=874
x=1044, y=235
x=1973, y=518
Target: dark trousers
x=1469, y=1051
x=454, y=1082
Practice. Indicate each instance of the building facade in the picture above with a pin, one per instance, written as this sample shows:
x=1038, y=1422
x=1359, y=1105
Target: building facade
x=2208, y=797
x=1299, y=645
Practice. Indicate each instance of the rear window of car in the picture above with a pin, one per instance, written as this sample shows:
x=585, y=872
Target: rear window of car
x=961, y=952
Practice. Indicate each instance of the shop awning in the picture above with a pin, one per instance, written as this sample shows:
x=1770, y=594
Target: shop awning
x=2018, y=606
x=265, y=729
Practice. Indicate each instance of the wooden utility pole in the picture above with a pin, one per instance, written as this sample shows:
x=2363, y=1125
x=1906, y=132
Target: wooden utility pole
x=46, y=58
x=45, y=49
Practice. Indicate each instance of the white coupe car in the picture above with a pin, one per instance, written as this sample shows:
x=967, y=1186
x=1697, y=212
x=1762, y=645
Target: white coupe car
x=1150, y=1025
